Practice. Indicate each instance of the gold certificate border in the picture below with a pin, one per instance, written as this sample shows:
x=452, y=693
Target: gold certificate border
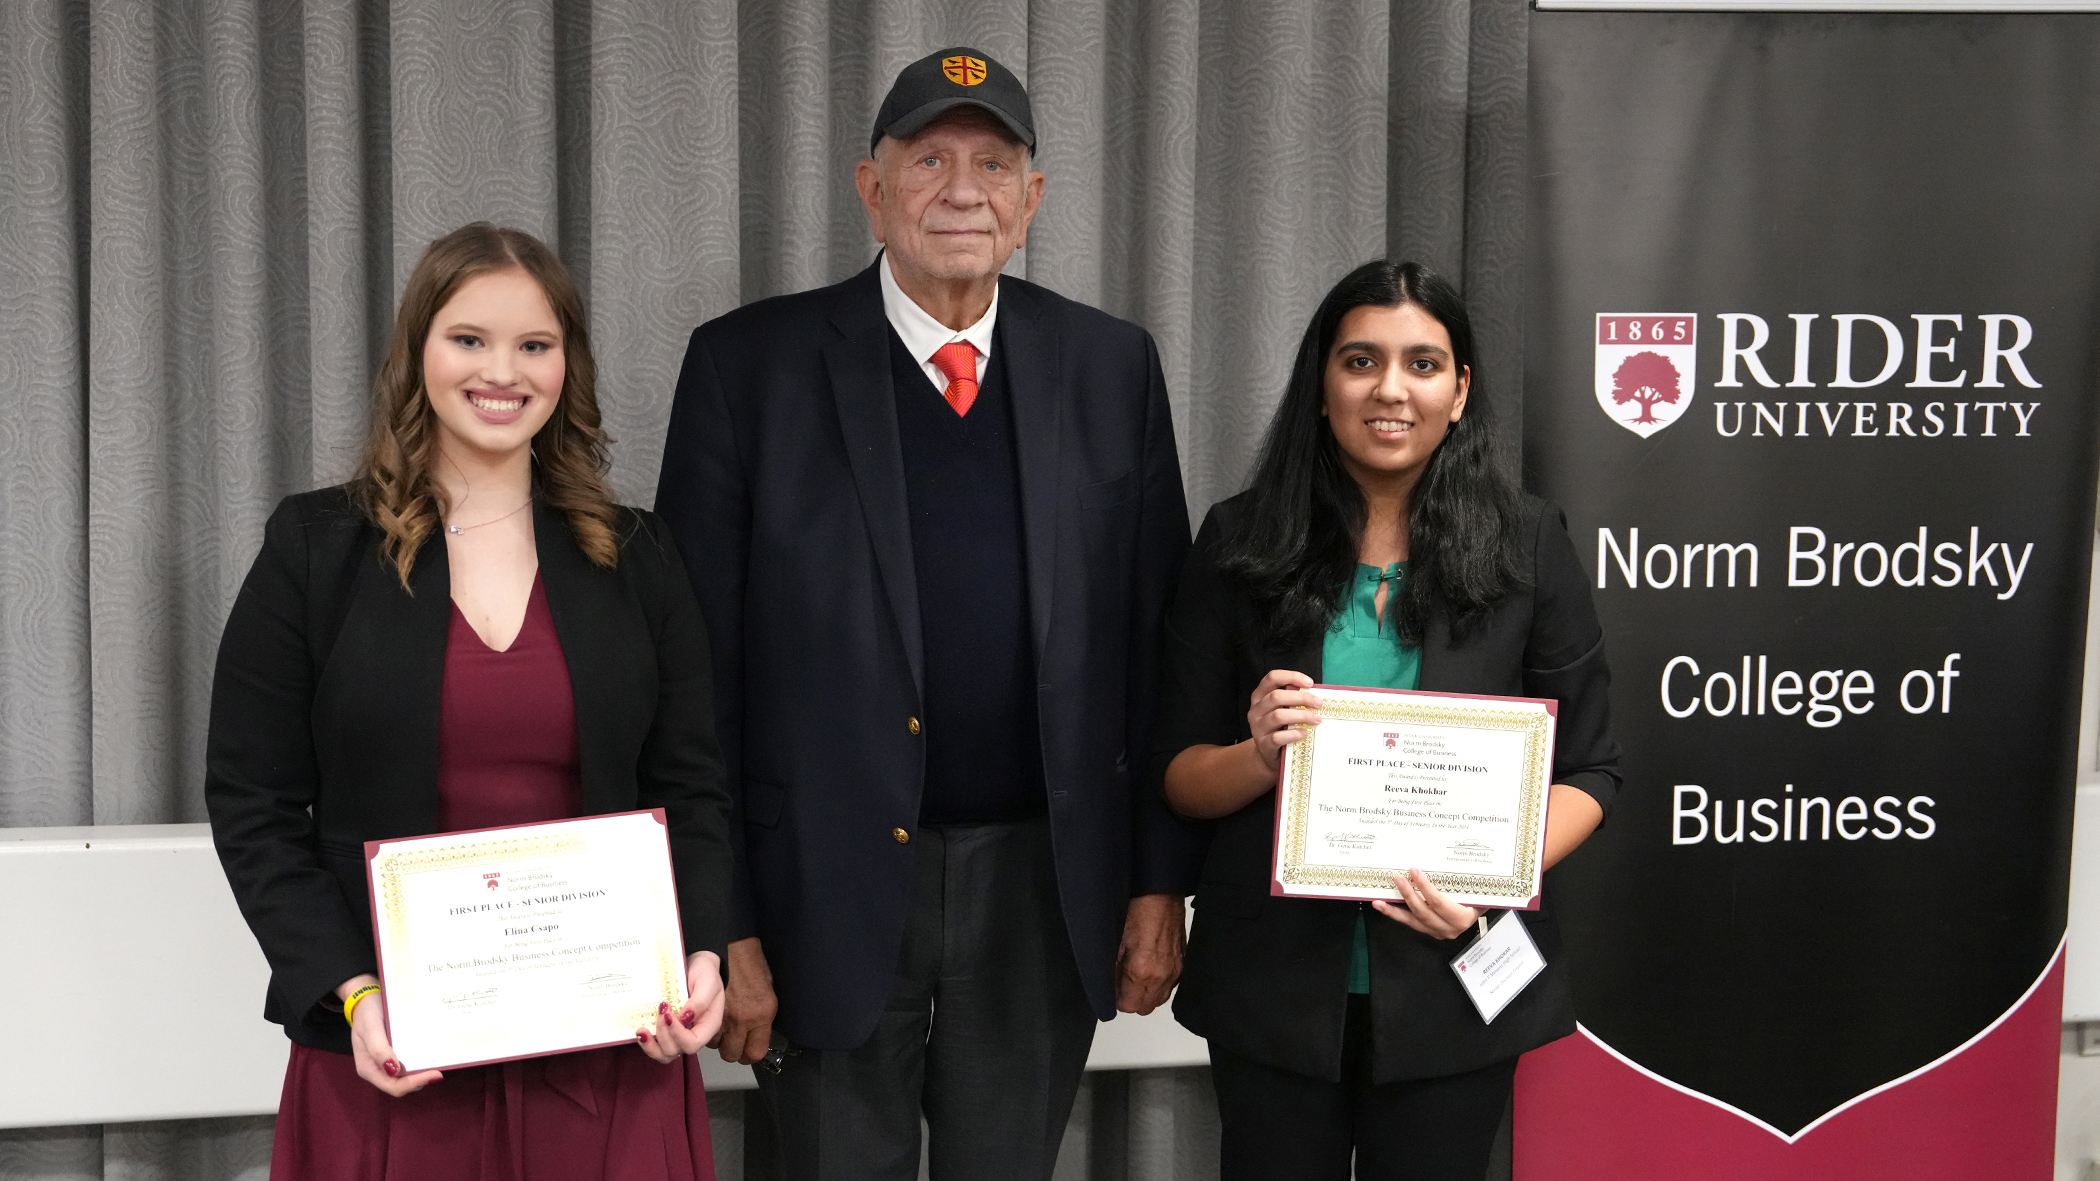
x=390, y=867
x=1298, y=870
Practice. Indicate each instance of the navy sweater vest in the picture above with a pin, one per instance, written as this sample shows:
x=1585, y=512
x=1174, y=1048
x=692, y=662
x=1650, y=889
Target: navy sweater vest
x=962, y=485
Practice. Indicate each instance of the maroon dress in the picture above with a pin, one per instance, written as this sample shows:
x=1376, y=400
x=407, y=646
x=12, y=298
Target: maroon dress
x=506, y=755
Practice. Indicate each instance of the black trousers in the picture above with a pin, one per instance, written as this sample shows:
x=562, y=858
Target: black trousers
x=986, y=1032
x=1281, y=1125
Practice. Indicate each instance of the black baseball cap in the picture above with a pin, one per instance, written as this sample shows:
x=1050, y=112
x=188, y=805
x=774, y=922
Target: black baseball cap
x=956, y=77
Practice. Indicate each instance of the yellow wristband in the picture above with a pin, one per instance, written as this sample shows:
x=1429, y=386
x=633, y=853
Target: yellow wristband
x=350, y=1006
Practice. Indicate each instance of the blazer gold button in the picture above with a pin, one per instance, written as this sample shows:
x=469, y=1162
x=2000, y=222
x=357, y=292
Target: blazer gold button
x=903, y=837
x=911, y=724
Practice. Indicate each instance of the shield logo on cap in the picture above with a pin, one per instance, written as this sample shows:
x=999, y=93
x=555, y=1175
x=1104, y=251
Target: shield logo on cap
x=963, y=71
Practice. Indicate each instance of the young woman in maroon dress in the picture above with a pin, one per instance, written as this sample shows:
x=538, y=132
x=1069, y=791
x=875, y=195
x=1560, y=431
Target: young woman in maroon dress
x=468, y=634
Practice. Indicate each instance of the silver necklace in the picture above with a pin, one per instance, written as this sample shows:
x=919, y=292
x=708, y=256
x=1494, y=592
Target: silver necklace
x=458, y=529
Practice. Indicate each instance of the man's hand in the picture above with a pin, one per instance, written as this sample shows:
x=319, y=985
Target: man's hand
x=747, y=1012
x=1148, y=964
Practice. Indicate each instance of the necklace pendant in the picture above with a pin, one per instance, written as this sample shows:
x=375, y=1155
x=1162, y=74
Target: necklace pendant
x=453, y=529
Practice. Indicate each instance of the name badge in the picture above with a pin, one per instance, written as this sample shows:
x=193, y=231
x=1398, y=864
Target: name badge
x=1498, y=964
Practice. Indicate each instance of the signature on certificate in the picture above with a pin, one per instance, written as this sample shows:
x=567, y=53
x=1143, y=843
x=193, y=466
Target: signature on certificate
x=1469, y=850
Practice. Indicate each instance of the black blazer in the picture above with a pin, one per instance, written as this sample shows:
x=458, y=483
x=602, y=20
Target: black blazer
x=324, y=729
x=783, y=479
x=1268, y=977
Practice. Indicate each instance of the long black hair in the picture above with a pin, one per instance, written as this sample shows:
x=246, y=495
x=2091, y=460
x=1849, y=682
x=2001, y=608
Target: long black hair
x=1298, y=549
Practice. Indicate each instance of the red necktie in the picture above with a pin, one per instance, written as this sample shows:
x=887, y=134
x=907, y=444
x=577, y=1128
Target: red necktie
x=958, y=360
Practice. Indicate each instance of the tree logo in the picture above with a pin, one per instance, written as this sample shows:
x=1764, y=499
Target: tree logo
x=1645, y=367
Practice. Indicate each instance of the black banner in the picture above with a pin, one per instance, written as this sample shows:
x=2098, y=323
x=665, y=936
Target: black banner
x=1811, y=365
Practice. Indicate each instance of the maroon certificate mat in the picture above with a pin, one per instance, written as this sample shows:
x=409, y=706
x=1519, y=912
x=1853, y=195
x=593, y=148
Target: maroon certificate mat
x=1453, y=784
x=504, y=943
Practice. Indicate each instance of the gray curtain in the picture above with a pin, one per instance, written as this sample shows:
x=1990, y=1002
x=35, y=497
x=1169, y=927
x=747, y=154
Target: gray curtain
x=207, y=208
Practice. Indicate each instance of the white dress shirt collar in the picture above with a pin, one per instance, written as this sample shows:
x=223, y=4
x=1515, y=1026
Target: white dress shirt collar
x=923, y=335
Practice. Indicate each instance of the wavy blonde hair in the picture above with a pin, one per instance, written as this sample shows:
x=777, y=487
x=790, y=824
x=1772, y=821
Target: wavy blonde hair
x=393, y=483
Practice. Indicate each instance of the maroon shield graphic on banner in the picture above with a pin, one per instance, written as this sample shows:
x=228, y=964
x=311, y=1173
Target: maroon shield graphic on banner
x=1646, y=368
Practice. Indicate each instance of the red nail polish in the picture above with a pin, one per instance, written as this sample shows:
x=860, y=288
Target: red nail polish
x=689, y=1020
x=393, y=1068
x=663, y=1008
x=641, y=1035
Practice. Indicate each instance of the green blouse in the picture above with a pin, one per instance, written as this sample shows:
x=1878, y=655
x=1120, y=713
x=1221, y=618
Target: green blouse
x=1359, y=650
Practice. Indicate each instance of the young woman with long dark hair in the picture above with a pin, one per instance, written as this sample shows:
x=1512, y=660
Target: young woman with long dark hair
x=468, y=634
x=1381, y=545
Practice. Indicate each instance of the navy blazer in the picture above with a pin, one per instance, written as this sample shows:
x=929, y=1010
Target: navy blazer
x=1268, y=977
x=783, y=481
x=324, y=728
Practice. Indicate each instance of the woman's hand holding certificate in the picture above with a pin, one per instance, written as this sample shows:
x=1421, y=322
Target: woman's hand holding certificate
x=370, y=1050
x=684, y=1030
x=1282, y=710
x=1423, y=907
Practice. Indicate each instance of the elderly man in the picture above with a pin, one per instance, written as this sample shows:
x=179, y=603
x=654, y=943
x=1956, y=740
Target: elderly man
x=933, y=516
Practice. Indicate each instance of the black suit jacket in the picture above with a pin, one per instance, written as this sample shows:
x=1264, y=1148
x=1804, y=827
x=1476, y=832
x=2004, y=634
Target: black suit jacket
x=783, y=479
x=1268, y=977
x=324, y=729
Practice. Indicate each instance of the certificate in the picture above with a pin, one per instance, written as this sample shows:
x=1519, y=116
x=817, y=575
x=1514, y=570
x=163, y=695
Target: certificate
x=1448, y=783
x=507, y=943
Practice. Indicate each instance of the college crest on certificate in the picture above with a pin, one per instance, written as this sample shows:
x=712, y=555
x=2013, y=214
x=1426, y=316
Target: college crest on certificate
x=1391, y=780
x=535, y=939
